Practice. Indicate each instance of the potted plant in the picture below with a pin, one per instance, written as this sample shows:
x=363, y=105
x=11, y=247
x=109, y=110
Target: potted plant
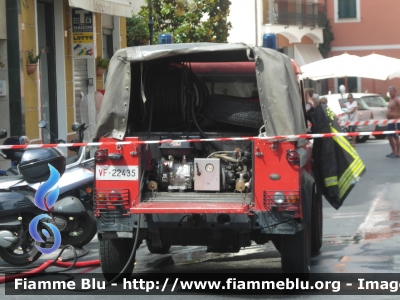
x=102, y=64
x=32, y=62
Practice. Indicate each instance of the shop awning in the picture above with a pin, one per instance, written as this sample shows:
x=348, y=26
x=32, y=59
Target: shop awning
x=120, y=8
x=306, y=53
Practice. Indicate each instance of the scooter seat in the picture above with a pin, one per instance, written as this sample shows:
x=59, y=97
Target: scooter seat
x=11, y=177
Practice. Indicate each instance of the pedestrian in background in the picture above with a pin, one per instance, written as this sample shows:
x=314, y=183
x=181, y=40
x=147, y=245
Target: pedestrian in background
x=351, y=111
x=310, y=101
x=315, y=99
x=393, y=112
x=323, y=100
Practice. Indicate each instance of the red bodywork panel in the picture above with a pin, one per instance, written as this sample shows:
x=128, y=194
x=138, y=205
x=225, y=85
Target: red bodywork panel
x=272, y=173
x=128, y=189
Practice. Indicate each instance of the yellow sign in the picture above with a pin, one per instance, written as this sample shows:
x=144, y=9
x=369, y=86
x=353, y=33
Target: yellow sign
x=86, y=38
x=82, y=33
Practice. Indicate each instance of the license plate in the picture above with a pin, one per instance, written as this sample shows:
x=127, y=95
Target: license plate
x=117, y=172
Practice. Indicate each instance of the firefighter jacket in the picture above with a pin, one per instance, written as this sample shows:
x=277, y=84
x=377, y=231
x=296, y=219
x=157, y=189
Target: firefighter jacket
x=337, y=166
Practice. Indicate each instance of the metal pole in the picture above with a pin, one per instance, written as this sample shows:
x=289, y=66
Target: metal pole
x=151, y=23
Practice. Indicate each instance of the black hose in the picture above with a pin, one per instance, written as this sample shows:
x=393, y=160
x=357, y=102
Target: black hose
x=203, y=135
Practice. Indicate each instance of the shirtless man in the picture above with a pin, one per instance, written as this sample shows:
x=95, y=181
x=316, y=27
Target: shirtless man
x=393, y=112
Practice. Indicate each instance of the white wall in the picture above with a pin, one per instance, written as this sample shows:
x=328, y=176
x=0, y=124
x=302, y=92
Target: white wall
x=242, y=16
x=136, y=4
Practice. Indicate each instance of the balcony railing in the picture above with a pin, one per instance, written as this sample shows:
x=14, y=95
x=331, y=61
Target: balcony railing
x=297, y=13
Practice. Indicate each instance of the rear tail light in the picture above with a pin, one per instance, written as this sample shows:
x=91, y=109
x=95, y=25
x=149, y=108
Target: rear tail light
x=279, y=198
x=106, y=200
x=283, y=201
x=113, y=198
x=293, y=157
x=292, y=198
x=100, y=156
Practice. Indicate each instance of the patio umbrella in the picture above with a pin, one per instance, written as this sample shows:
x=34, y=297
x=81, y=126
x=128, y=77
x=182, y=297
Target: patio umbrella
x=344, y=65
x=380, y=67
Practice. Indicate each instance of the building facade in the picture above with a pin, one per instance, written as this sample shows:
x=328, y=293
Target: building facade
x=362, y=28
x=298, y=26
x=71, y=34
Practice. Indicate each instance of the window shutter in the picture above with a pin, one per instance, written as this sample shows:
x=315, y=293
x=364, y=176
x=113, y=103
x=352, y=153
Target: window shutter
x=342, y=9
x=347, y=9
x=352, y=12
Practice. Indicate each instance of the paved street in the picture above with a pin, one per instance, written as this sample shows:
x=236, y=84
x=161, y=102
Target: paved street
x=361, y=237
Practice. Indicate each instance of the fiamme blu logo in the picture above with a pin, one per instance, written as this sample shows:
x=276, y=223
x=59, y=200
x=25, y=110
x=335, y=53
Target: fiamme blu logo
x=45, y=197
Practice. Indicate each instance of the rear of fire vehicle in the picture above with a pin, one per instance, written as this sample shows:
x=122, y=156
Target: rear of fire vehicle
x=179, y=175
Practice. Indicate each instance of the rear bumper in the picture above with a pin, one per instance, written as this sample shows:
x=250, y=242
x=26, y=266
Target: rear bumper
x=199, y=218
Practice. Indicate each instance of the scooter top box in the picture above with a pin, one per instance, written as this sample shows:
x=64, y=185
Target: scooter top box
x=34, y=164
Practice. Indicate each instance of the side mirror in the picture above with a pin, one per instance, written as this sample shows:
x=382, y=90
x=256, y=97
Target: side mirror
x=42, y=124
x=3, y=133
x=76, y=126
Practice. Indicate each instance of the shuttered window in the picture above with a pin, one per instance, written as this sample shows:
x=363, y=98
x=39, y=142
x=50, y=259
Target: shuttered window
x=347, y=9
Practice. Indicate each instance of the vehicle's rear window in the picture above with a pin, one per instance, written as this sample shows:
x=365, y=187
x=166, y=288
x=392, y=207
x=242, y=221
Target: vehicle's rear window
x=236, y=86
x=236, y=79
x=375, y=101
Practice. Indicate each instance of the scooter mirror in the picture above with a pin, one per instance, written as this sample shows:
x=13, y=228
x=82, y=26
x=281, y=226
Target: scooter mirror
x=76, y=126
x=3, y=133
x=42, y=124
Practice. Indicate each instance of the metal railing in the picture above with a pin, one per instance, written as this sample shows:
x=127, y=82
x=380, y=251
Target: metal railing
x=294, y=13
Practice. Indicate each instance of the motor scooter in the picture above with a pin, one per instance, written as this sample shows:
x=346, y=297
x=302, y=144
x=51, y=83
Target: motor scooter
x=72, y=213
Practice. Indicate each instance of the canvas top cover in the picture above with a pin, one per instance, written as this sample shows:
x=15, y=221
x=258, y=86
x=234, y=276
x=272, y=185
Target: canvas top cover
x=278, y=89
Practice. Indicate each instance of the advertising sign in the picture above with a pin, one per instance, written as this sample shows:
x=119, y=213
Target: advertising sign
x=82, y=33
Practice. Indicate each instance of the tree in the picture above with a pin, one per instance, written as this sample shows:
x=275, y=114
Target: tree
x=325, y=47
x=137, y=31
x=190, y=21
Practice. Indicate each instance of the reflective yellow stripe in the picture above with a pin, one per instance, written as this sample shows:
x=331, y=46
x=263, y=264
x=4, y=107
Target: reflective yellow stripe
x=352, y=178
x=330, y=181
x=353, y=166
x=354, y=170
x=344, y=143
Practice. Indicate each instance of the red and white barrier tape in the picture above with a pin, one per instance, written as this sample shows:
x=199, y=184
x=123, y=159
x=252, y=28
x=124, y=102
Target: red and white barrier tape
x=249, y=138
x=371, y=122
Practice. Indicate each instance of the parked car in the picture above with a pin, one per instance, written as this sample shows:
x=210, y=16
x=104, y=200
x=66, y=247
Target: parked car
x=369, y=107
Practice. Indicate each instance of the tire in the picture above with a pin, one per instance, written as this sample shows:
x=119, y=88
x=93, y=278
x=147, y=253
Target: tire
x=26, y=253
x=380, y=136
x=84, y=233
x=233, y=110
x=362, y=138
x=296, y=251
x=277, y=244
x=114, y=255
x=316, y=224
x=157, y=250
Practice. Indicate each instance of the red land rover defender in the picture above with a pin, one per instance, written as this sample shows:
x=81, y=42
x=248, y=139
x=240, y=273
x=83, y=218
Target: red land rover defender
x=165, y=184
